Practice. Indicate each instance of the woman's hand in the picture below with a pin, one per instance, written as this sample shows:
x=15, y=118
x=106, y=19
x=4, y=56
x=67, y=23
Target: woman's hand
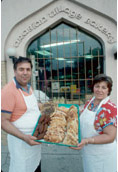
x=80, y=145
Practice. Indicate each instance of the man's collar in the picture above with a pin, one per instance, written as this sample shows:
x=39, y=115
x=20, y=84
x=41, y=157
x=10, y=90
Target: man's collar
x=18, y=86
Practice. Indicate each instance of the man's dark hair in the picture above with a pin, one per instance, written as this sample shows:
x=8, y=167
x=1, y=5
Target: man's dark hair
x=105, y=78
x=21, y=60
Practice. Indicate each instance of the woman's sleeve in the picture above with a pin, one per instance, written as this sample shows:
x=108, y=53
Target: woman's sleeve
x=108, y=115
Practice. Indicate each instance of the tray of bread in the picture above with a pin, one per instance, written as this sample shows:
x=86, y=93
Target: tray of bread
x=58, y=124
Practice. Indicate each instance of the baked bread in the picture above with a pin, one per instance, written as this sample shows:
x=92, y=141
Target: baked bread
x=63, y=127
x=57, y=127
x=71, y=137
x=48, y=108
x=63, y=109
x=54, y=134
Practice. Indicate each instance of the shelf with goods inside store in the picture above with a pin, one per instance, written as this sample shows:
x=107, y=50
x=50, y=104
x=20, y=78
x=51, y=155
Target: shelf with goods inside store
x=75, y=95
x=66, y=94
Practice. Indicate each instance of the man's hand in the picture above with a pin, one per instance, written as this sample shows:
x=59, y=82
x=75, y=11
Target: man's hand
x=8, y=127
x=31, y=140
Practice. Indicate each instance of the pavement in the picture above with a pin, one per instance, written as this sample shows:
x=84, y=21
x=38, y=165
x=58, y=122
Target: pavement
x=54, y=159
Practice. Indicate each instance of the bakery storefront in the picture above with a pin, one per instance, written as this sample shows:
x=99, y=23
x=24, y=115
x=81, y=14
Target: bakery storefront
x=68, y=44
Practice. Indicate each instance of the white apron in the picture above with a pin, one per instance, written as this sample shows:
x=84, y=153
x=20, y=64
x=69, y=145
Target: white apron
x=96, y=157
x=23, y=157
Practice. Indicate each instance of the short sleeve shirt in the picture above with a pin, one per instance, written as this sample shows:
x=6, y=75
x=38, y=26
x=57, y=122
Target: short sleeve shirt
x=12, y=101
x=106, y=115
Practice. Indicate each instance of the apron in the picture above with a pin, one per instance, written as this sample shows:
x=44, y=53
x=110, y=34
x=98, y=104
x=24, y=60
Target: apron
x=23, y=157
x=96, y=157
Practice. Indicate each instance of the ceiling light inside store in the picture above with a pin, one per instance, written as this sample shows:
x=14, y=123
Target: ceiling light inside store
x=59, y=43
x=70, y=61
x=88, y=56
x=44, y=53
x=60, y=58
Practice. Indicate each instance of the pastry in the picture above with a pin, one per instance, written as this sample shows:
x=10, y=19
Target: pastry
x=58, y=124
x=71, y=137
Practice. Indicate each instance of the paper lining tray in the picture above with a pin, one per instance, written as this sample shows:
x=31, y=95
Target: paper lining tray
x=61, y=143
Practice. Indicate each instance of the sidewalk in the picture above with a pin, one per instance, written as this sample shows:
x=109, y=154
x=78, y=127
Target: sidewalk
x=54, y=159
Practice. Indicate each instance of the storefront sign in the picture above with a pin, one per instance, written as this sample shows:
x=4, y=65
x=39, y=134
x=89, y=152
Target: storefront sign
x=71, y=14
x=29, y=29
x=101, y=28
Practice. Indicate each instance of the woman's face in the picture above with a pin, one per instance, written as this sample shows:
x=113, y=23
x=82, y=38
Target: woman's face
x=101, y=90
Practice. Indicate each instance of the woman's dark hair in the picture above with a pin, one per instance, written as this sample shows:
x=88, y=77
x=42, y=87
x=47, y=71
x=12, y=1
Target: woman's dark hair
x=103, y=77
x=21, y=60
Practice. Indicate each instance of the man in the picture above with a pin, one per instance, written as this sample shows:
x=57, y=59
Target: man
x=19, y=115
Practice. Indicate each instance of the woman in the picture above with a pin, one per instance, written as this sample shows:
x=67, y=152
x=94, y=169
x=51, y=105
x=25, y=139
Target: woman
x=98, y=129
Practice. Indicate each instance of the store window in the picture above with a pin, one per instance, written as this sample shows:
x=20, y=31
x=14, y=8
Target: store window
x=65, y=61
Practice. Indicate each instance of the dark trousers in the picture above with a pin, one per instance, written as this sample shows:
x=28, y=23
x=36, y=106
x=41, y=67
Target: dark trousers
x=38, y=168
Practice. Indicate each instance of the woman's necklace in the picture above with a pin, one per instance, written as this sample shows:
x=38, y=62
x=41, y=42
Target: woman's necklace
x=93, y=106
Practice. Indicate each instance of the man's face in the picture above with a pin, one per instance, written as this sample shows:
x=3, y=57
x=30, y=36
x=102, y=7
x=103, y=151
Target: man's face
x=23, y=73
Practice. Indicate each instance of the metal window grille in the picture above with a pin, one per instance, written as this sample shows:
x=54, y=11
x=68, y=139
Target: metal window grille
x=65, y=61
